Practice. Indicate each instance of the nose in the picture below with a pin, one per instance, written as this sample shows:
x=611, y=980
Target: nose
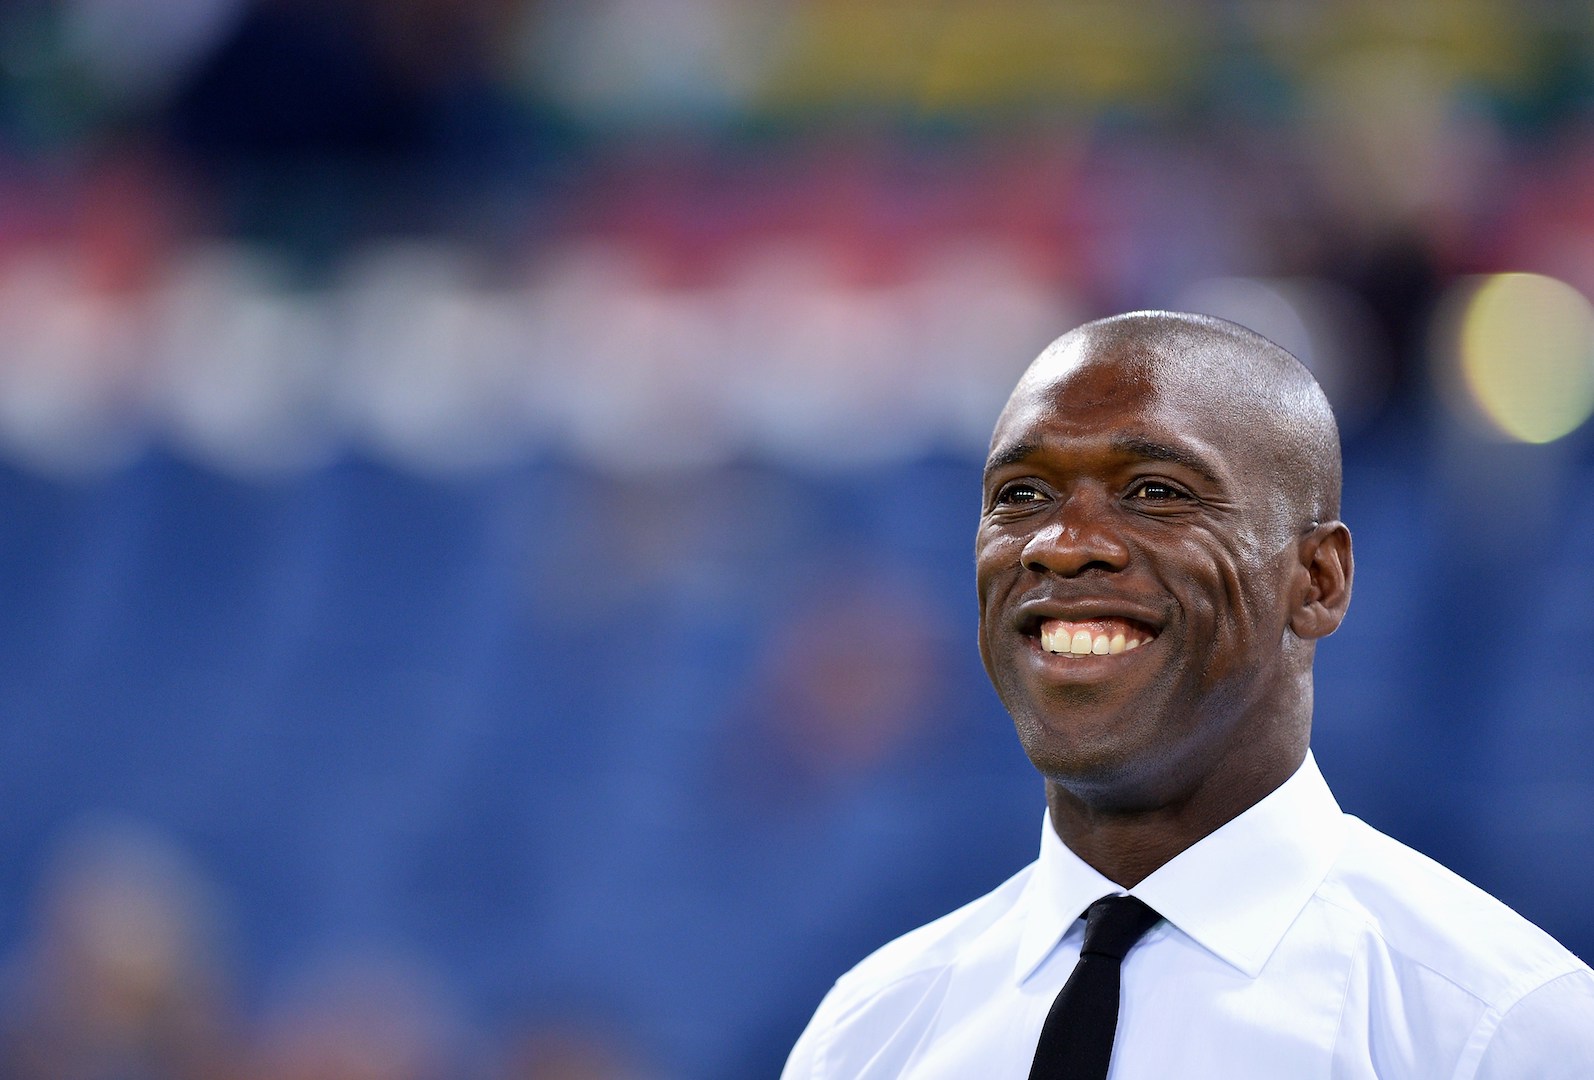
x=1078, y=537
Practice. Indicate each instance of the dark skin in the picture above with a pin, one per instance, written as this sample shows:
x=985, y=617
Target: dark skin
x=1165, y=477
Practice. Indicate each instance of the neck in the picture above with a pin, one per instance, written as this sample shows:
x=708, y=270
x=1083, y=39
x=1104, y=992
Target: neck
x=1126, y=843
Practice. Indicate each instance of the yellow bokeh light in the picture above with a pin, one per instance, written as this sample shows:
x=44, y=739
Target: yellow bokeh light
x=1527, y=354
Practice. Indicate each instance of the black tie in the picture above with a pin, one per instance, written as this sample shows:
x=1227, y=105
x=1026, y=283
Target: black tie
x=1076, y=1042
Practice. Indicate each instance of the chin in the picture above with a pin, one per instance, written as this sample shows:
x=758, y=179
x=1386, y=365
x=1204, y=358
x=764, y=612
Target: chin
x=1107, y=764
x=1073, y=760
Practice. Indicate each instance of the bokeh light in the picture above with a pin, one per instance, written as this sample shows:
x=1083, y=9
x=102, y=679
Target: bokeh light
x=1527, y=355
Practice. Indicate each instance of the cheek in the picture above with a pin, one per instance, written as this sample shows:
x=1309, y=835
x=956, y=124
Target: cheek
x=1248, y=592
x=1239, y=601
x=994, y=558
x=991, y=557
x=998, y=577
x=1225, y=595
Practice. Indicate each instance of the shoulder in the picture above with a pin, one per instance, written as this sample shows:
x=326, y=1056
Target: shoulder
x=1424, y=917
x=886, y=994
x=935, y=945
x=1547, y=1034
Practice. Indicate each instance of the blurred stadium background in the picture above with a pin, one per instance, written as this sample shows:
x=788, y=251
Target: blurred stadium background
x=487, y=486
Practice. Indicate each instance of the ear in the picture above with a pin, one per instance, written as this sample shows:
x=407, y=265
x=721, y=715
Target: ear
x=1322, y=588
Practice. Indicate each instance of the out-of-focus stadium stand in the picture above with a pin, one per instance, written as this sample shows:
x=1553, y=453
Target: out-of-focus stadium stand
x=486, y=486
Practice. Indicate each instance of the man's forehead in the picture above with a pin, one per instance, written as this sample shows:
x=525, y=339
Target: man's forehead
x=1163, y=390
x=1158, y=355
x=1063, y=357
x=1073, y=378
x=1244, y=407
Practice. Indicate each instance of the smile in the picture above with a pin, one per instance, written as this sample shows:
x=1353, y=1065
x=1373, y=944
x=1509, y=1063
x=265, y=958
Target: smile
x=1094, y=637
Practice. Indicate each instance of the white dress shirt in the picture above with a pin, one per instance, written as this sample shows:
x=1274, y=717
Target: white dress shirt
x=1297, y=942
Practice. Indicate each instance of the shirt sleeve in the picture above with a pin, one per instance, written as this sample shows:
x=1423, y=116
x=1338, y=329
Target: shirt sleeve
x=1547, y=1035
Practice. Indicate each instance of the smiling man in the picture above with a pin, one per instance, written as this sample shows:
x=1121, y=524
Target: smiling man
x=1158, y=553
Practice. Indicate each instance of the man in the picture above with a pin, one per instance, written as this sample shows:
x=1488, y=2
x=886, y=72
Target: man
x=1158, y=553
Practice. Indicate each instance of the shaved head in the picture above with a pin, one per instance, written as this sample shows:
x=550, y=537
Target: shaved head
x=1235, y=378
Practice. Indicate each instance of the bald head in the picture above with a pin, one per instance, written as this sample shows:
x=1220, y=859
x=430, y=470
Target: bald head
x=1233, y=381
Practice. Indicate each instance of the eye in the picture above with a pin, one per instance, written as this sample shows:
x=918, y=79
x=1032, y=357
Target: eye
x=1156, y=491
x=1018, y=494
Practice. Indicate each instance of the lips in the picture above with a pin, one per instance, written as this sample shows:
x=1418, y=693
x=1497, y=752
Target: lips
x=1081, y=627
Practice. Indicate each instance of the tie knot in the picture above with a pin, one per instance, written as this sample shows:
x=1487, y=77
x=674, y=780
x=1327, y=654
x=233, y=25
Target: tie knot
x=1114, y=923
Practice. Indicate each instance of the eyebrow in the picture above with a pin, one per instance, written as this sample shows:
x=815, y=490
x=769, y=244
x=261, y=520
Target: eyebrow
x=1134, y=446
x=1011, y=456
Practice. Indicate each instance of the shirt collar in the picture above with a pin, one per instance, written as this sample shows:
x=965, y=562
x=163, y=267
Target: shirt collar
x=1281, y=849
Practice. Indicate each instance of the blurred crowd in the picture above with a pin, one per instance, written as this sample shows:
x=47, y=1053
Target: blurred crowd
x=260, y=230
x=124, y=976
x=647, y=880
x=488, y=483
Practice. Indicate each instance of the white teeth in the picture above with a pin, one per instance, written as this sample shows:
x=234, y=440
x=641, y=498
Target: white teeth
x=1057, y=638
